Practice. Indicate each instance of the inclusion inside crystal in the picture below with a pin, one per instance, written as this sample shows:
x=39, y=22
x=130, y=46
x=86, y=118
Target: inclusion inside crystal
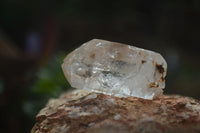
x=116, y=69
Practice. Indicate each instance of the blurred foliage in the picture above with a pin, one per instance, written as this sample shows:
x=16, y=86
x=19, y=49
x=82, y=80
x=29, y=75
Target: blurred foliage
x=50, y=83
x=51, y=80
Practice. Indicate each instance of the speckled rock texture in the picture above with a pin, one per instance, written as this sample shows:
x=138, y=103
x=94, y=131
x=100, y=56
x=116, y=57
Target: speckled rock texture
x=89, y=112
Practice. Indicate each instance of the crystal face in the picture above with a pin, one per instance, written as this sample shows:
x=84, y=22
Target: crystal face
x=116, y=69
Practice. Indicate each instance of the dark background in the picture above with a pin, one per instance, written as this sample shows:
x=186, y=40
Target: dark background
x=35, y=35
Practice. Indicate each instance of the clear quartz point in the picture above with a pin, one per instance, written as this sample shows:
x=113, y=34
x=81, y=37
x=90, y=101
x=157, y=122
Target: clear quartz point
x=116, y=69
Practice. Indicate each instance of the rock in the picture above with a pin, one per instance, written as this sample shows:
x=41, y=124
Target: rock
x=116, y=69
x=88, y=112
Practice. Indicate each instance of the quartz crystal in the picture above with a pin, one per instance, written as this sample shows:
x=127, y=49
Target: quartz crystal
x=116, y=69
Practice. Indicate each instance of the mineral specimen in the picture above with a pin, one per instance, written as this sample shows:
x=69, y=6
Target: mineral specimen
x=116, y=69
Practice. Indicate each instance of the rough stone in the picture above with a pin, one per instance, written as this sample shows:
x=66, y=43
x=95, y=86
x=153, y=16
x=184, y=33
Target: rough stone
x=74, y=112
x=116, y=69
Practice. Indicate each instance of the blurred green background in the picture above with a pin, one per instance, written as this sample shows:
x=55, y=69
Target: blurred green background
x=36, y=35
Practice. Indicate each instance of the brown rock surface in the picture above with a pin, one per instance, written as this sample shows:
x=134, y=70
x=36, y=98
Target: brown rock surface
x=83, y=111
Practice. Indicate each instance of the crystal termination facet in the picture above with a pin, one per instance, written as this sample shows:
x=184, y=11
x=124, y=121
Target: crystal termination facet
x=116, y=69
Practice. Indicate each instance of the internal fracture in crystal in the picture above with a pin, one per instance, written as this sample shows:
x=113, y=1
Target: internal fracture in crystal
x=116, y=69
